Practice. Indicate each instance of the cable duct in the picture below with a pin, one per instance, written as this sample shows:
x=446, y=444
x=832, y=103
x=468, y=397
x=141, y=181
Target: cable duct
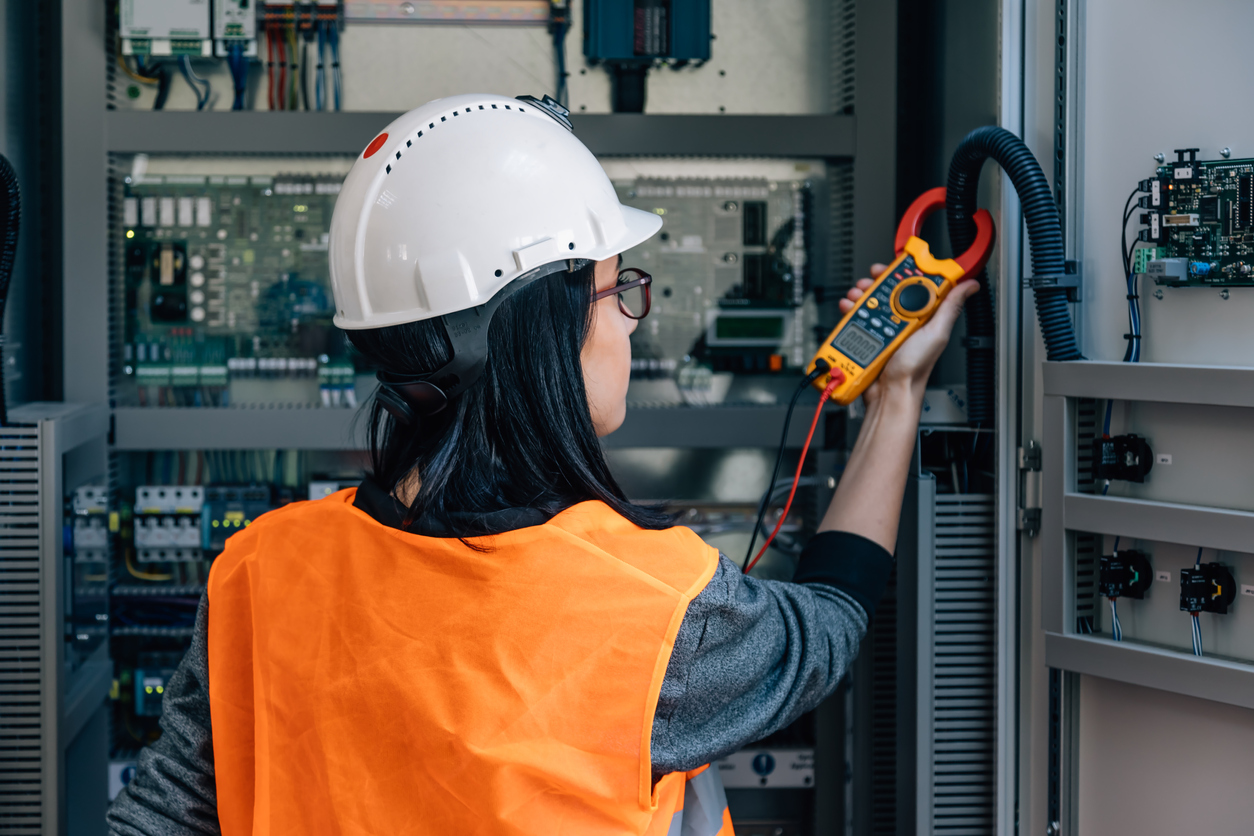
x=1044, y=238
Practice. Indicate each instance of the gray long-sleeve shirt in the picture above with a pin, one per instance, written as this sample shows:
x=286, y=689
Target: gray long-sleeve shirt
x=750, y=657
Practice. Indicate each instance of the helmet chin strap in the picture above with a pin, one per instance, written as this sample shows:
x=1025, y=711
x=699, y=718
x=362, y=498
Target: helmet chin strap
x=410, y=397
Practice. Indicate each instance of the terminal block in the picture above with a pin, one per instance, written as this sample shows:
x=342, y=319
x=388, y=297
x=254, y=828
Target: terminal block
x=1125, y=574
x=1124, y=457
x=1207, y=587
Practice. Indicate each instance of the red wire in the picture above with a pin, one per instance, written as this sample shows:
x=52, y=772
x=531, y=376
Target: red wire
x=270, y=64
x=837, y=378
x=282, y=72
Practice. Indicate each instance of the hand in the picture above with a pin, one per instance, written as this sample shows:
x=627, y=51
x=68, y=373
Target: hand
x=910, y=367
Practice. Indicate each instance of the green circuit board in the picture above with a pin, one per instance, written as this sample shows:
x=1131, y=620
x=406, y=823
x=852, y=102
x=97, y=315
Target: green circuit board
x=1207, y=217
x=226, y=285
x=730, y=291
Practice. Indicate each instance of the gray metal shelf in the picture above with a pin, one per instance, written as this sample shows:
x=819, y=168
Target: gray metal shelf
x=1166, y=522
x=298, y=132
x=173, y=428
x=1158, y=382
x=1205, y=677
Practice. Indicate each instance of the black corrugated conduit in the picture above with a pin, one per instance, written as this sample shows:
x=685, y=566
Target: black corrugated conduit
x=1048, y=258
x=10, y=215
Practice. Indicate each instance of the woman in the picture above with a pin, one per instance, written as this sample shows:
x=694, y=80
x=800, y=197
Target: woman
x=486, y=636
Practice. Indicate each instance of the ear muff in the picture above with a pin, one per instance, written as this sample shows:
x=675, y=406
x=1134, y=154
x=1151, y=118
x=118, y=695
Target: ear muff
x=407, y=400
x=409, y=397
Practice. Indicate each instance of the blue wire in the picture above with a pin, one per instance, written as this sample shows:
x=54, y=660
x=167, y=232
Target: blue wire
x=318, y=81
x=237, y=63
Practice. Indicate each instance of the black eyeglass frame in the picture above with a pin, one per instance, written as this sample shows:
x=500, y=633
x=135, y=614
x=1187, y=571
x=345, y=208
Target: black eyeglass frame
x=625, y=283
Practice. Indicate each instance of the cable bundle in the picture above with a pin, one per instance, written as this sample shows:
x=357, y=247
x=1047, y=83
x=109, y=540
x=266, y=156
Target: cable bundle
x=1197, y=626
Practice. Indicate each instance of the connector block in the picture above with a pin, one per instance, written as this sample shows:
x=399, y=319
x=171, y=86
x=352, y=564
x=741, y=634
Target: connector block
x=1124, y=457
x=1208, y=587
x=1125, y=574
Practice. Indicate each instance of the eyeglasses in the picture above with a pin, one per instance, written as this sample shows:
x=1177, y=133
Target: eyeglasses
x=634, y=295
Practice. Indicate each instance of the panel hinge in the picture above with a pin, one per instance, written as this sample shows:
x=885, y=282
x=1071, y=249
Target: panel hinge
x=1028, y=518
x=1030, y=457
x=1029, y=521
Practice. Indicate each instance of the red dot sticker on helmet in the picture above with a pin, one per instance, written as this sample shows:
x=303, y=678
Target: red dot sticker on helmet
x=375, y=145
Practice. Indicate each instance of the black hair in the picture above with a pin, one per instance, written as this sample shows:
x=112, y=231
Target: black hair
x=520, y=437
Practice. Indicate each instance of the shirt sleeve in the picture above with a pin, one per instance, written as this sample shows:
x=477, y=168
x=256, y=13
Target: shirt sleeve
x=174, y=792
x=753, y=655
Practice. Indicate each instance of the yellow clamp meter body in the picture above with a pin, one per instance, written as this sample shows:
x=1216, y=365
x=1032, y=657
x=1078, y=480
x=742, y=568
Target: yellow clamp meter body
x=901, y=301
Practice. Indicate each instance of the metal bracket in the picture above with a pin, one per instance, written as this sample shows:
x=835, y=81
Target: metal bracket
x=1028, y=520
x=1030, y=456
x=1070, y=280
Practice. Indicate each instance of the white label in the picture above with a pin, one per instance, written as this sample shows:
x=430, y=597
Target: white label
x=1162, y=577
x=1155, y=231
x=185, y=211
x=1247, y=589
x=758, y=768
x=1162, y=458
x=130, y=211
x=1156, y=193
x=148, y=211
x=204, y=211
x=167, y=211
x=1183, y=173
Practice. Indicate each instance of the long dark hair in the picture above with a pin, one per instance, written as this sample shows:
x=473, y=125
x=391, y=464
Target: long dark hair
x=521, y=437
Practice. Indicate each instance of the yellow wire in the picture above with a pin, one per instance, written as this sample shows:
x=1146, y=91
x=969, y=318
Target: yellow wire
x=144, y=576
x=143, y=79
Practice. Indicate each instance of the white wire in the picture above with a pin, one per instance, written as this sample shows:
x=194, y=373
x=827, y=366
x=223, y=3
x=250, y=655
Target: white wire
x=1116, y=629
x=1197, y=637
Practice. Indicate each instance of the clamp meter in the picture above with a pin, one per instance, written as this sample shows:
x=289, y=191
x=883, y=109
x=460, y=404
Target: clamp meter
x=900, y=302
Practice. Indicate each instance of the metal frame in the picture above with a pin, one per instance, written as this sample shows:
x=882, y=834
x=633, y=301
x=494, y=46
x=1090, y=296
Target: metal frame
x=38, y=437
x=1067, y=510
x=615, y=134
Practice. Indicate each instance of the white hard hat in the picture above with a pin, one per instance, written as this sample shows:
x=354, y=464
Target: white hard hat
x=456, y=199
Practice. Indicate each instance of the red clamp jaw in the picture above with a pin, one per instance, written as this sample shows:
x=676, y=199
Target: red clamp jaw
x=976, y=256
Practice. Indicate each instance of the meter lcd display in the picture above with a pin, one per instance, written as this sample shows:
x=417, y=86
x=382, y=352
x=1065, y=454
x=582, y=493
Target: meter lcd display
x=858, y=344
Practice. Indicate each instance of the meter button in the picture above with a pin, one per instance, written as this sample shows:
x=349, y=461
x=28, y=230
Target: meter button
x=862, y=313
x=889, y=332
x=873, y=303
x=876, y=322
x=914, y=298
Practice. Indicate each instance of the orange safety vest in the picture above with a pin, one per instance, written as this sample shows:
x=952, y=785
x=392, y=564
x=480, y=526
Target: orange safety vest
x=364, y=680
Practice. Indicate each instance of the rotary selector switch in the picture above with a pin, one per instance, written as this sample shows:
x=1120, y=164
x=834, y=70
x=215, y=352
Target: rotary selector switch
x=914, y=299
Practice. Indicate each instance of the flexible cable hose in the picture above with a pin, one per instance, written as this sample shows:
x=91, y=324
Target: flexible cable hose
x=10, y=218
x=1044, y=238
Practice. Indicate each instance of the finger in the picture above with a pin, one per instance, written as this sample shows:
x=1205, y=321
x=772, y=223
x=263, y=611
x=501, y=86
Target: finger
x=951, y=305
x=878, y=268
x=855, y=293
x=864, y=284
x=845, y=306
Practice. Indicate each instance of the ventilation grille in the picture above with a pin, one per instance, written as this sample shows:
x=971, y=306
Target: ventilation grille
x=883, y=638
x=1087, y=546
x=964, y=670
x=844, y=55
x=840, y=241
x=21, y=676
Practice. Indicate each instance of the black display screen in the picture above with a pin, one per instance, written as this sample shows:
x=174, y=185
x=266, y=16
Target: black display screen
x=858, y=344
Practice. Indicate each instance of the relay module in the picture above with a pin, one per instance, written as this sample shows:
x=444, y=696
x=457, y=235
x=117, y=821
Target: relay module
x=1201, y=222
x=226, y=292
x=732, y=290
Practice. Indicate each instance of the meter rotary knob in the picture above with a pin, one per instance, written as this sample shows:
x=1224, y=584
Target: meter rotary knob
x=914, y=299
